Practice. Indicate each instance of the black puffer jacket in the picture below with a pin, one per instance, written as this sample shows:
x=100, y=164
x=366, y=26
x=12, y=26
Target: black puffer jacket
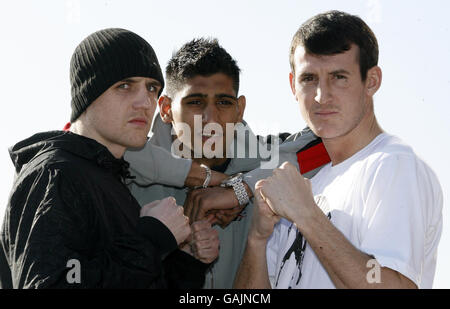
x=69, y=202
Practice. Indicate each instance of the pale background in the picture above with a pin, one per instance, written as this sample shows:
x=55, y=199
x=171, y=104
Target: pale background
x=38, y=38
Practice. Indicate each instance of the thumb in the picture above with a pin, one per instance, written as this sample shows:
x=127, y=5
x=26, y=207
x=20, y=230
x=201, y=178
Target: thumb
x=263, y=202
x=211, y=219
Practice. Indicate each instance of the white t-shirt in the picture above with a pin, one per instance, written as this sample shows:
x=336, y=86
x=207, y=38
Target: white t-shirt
x=385, y=200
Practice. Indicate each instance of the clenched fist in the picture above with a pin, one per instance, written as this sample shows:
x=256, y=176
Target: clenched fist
x=288, y=194
x=171, y=215
x=203, y=243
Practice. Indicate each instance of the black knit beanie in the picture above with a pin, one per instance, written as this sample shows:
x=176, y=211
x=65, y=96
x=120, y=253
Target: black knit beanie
x=104, y=58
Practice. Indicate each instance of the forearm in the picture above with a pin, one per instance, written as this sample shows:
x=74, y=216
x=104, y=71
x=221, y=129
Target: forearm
x=345, y=264
x=197, y=175
x=153, y=164
x=252, y=273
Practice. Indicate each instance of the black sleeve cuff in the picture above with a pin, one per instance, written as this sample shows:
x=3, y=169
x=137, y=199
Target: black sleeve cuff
x=185, y=271
x=157, y=233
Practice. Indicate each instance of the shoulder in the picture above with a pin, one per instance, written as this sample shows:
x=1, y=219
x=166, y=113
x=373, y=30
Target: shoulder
x=391, y=152
x=53, y=169
x=393, y=166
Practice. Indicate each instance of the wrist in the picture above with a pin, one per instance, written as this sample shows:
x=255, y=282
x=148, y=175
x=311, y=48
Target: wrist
x=236, y=183
x=199, y=175
x=208, y=173
x=195, y=176
x=257, y=240
x=309, y=219
x=247, y=188
x=186, y=247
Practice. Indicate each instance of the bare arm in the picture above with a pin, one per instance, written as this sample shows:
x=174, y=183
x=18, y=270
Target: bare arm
x=345, y=264
x=253, y=271
x=290, y=196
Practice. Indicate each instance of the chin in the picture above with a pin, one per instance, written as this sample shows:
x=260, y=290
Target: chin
x=136, y=143
x=324, y=132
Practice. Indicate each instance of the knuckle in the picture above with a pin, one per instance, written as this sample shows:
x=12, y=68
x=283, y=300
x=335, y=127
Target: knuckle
x=285, y=164
x=259, y=183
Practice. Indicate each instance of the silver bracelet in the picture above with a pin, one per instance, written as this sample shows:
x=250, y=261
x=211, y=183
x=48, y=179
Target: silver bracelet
x=208, y=175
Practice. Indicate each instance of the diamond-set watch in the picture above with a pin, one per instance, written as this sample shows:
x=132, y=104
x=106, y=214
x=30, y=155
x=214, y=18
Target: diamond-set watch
x=235, y=182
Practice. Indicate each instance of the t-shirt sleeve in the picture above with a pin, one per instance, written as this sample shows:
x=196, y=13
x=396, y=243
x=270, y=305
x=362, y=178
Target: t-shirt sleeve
x=401, y=206
x=153, y=164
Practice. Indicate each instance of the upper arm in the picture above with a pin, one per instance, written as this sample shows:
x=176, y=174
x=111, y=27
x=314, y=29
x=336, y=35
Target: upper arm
x=43, y=227
x=395, y=222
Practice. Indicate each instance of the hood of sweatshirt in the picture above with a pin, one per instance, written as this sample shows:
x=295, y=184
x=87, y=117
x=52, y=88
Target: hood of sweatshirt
x=246, y=151
x=29, y=149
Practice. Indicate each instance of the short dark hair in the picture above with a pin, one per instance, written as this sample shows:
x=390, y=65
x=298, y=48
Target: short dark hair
x=332, y=33
x=200, y=57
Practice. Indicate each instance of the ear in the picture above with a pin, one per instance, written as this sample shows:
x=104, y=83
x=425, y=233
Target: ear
x=241, y=107
x=292, y=82
x=165, y=108
x=373, y=80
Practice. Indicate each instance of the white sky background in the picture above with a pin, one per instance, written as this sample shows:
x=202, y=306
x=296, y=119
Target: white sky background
x=38, y=38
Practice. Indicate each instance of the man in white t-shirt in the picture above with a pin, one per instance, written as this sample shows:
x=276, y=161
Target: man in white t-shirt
x=372, y=217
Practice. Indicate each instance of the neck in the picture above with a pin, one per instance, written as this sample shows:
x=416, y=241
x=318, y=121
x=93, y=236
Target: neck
x=343, y=147
x=79, y=128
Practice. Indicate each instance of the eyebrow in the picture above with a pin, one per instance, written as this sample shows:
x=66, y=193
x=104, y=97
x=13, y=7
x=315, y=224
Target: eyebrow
x=340, y=71
x=201, y=95
x=224, y=95
x=133, y=81
x=196, y=95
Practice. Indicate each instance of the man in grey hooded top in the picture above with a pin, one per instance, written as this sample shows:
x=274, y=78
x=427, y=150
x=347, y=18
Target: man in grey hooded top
x=201, y=117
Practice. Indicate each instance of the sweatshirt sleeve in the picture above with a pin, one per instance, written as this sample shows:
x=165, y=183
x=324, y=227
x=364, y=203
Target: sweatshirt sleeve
x=53, y=227
x=266, y=170
x=153, y=164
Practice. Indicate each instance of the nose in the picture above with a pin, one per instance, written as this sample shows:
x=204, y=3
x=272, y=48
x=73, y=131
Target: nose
x=143, y=99
x=209, y=114
x=323, y=92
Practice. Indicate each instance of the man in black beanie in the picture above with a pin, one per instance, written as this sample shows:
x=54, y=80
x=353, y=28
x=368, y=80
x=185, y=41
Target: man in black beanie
x=70, y=221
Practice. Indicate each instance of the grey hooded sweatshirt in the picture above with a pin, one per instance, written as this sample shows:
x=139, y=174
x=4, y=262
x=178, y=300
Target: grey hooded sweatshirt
x=159, y=174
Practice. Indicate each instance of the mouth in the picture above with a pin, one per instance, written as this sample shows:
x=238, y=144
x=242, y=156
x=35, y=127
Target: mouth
x=139, y=121
x=207, y=136
x=325, y=113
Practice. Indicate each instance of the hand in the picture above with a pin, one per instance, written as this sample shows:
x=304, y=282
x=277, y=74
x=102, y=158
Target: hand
x=170, y=215
x=225, y=216
x=288, y=194
x=264, y=219
x=204, y=203
x=203, y=244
